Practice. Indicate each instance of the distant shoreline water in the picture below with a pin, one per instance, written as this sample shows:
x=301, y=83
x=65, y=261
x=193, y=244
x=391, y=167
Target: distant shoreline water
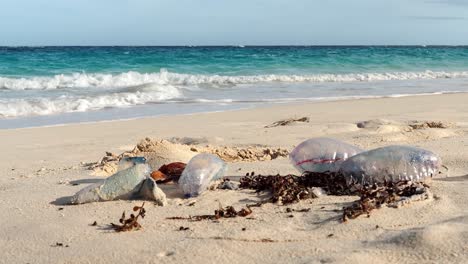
x=49, y=85
x=144, y=111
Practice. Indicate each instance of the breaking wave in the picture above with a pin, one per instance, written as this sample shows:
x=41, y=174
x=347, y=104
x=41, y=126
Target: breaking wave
x=43, y=106
x=81, y=92
x=129, y=79
x=66, y=104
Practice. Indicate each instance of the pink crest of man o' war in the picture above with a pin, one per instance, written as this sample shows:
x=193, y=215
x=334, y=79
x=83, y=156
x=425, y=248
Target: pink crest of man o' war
x=321, y=154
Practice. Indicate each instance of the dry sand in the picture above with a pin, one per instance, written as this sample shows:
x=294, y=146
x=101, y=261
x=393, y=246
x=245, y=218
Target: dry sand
x=38, y=166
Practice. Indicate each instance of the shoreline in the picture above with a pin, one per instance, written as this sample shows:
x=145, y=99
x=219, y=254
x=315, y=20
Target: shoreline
x=254, y=105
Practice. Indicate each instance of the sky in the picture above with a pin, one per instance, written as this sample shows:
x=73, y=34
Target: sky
x=233, y=22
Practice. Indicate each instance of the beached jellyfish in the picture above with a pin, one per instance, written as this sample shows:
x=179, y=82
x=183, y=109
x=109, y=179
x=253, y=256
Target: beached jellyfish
x=321, y=154
x=127, y=162
x=199, y=172
x=130, y=183
x=391, y=164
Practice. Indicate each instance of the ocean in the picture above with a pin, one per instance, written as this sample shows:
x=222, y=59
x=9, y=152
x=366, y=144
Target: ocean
x=57, y=85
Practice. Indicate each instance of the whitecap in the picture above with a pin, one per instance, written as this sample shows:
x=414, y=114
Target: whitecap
x=129, y=79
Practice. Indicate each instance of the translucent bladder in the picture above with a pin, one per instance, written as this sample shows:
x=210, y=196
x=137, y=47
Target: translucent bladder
x=199, y=172
x=391, y=164
x=131, y=183
x=321, y=154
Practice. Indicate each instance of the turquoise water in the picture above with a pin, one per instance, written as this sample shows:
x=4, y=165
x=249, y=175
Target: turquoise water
x=45, y=84
x=48, y=61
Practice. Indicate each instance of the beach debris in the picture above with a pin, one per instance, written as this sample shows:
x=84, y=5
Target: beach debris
x=288, y=121
x=200, y=172
x=390, y=194
x=130, y=183
x=304, y=210
x=227, y=212
x=389, y=126
x=318, y=191
x=391, y=164
x=182, y=228
x=172, y=171
x=227, y=184
x=285, y=189
x=59, y=244
x=158, y=176
x=132, y=222
x=291, y=188
x=429, y=124
x=108, y=163
x=321, y=154
x=169, y=172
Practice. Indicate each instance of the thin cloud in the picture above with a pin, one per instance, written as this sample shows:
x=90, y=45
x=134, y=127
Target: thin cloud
x=437, y=18
x=449, y=2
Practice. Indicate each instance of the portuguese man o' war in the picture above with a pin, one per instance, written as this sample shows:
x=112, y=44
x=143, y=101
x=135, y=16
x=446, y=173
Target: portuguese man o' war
x=321, y=154
x=130, y=183
x=199, y=172
x=391, y=164
x=127, y=162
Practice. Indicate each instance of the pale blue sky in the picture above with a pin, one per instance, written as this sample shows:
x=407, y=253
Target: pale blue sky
x=223, y=22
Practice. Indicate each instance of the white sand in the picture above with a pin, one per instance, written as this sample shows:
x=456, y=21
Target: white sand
x=37, y=166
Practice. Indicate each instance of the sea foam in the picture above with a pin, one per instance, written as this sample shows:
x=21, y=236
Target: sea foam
x=81, y=92
x=128, y=79
x=66, y=104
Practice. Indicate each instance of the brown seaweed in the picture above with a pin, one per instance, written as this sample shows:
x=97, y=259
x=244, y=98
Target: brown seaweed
x=227, y=212
x=374, y=197
x=132, y=222
x=288, y=121
x=291, y=188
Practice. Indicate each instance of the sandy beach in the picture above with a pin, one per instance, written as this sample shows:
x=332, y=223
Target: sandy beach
x=38, y=166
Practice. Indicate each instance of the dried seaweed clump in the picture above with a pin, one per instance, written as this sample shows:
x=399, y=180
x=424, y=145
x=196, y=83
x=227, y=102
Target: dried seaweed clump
x=291, y=188
x=132, y=222
x=108, y=163
x=285, y=189
x=389, y=194
x=227, y=212
x=430, y=124
x=288, y=121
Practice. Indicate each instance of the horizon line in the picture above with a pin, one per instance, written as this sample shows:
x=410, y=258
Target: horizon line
x=242, y=46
